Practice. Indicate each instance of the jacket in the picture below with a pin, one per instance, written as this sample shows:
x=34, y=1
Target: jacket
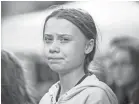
x=89, y=91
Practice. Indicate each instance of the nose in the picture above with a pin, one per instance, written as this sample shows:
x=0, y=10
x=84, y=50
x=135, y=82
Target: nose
x=54, y=48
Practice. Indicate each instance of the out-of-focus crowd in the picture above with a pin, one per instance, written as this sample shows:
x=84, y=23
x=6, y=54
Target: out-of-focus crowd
x=119, y=68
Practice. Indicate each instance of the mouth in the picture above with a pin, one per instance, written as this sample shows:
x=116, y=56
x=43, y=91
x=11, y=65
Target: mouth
x=55, y=60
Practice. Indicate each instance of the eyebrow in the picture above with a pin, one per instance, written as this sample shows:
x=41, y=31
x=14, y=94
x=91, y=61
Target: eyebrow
x=57, y=34
x=47, y=34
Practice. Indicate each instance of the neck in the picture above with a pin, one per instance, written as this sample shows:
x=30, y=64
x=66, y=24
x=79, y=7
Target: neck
x=69, y=80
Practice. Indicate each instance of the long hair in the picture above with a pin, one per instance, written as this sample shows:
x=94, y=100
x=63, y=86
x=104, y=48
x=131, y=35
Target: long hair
x=13, y=89
x=84, y=22
x=131, y=45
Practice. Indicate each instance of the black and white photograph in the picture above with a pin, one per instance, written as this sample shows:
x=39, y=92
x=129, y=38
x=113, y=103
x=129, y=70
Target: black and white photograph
x=70, y=52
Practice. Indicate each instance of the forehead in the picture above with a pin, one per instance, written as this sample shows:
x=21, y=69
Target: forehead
x=61, y=26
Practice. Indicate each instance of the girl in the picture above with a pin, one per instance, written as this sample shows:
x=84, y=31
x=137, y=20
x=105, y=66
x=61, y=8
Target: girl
x=69, y=46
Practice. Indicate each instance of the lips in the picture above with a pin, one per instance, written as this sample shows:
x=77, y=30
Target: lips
x=55, y=59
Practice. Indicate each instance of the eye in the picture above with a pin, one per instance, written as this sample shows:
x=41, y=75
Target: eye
x=48, y=39
x=64, y=40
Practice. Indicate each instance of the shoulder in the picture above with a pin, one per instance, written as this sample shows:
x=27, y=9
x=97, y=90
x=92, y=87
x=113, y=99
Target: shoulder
x=45, y=99
x=96, y=95
x=98, y=92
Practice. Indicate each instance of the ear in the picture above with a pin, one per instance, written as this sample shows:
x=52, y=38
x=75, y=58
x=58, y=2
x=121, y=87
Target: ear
x=89, y=46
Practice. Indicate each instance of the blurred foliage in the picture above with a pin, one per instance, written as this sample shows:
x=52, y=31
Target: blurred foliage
x=9, y=8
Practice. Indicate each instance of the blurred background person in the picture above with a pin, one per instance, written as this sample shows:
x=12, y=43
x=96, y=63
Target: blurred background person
x=125, y=67
x=13, y=86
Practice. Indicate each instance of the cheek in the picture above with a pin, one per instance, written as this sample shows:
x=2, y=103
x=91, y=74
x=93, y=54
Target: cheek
x=46, y=51
x=74, y=51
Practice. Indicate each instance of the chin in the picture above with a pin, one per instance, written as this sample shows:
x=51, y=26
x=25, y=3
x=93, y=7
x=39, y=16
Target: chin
x=59, y=70
x=56, y=68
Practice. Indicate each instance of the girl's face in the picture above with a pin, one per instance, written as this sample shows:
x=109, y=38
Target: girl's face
x=64, y=45
x=124, y=70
